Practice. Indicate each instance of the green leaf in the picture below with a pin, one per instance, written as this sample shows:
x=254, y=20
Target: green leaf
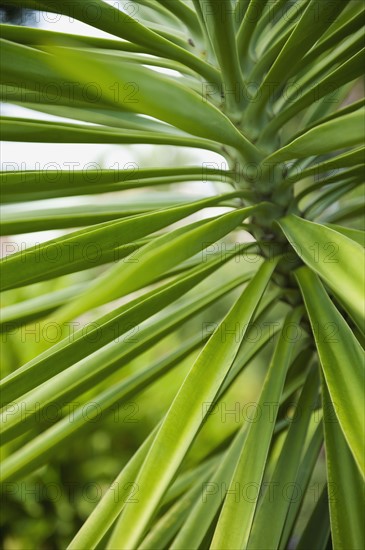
x=28, y=310
x=354, y=234
x=269, y=45
x=153, y=259
x=348, y=159
x=346, y=486
x=302, y=481
x=173, y=520
x=119, y=23
x=184, y=13
x=248, y=12
x=105, y=115
x=119, y=493
x=317, y=529
x=86, y=248
x=206, y=509
x=313, y=73
x=187, y=478
x=315, y=19
x=249, y=348
x=271, y=91
x=235, y=520
x=342, y=361
x=83, y=375
x=106, y=329
x=350, y=210
x=336, y=114
x=330, y=254
x=15, y=221
x=32, y=185
x=347, y=72
x=44, y=446
x=318, y=207
x=342, y=176
x=339, y=133
x=147, y=87
x=224, y=44
x=274, y=510
x=30, y=36
x=37, y=131
x=342, y=27
x=185, y=415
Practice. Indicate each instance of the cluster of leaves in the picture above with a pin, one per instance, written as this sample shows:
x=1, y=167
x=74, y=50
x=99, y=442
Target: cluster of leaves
x=264, y=85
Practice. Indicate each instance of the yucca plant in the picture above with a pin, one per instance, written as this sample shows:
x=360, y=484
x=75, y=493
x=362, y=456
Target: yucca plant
x=275, y=89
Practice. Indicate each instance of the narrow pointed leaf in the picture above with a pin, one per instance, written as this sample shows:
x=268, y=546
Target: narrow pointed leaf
x=151, y=260
x=317, y=529
x=70, y=252
x=41, y=448
x=185, y=415
x=302, y=482
x=346, y=486
x=275, y=509
x=235, y=521
x=342, y=360
x=104, y=330
x=345, y=131
x=330, y=253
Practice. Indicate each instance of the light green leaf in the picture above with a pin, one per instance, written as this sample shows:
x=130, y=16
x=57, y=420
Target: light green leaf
x=247, y=12
x=348, y=159
x=28, y=310
x=339, y=133
x=147, y=87
x=186, y=415
x=32, y=185
x=30, y=36
x=314, y=72
x=184, y=13
x=235, y=521
x=15, y=220
x=346, y=486
x=104, y=330
x=85, y=374
x=273, y=510
x=330, y=254
x=86, y=248
x=39, y=131
x=224, y=44
x=350, y=210
x=120, y=492
x=153, y=259
x=119, y=23
x=302, y=481
x=205, y=510
x=339, y=177
x=38, y=450
x=318, y=207
x=173, y=520
x=347, y=72
x=342, y=361
x=341, y=28
x=315, y=19
x=317, y=529
x=336, y=114
x=354, y=234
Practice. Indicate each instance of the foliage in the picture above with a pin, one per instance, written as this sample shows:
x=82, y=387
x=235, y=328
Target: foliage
x=274, y=89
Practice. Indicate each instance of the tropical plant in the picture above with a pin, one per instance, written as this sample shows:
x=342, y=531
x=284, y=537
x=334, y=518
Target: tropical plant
x=275, y=89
